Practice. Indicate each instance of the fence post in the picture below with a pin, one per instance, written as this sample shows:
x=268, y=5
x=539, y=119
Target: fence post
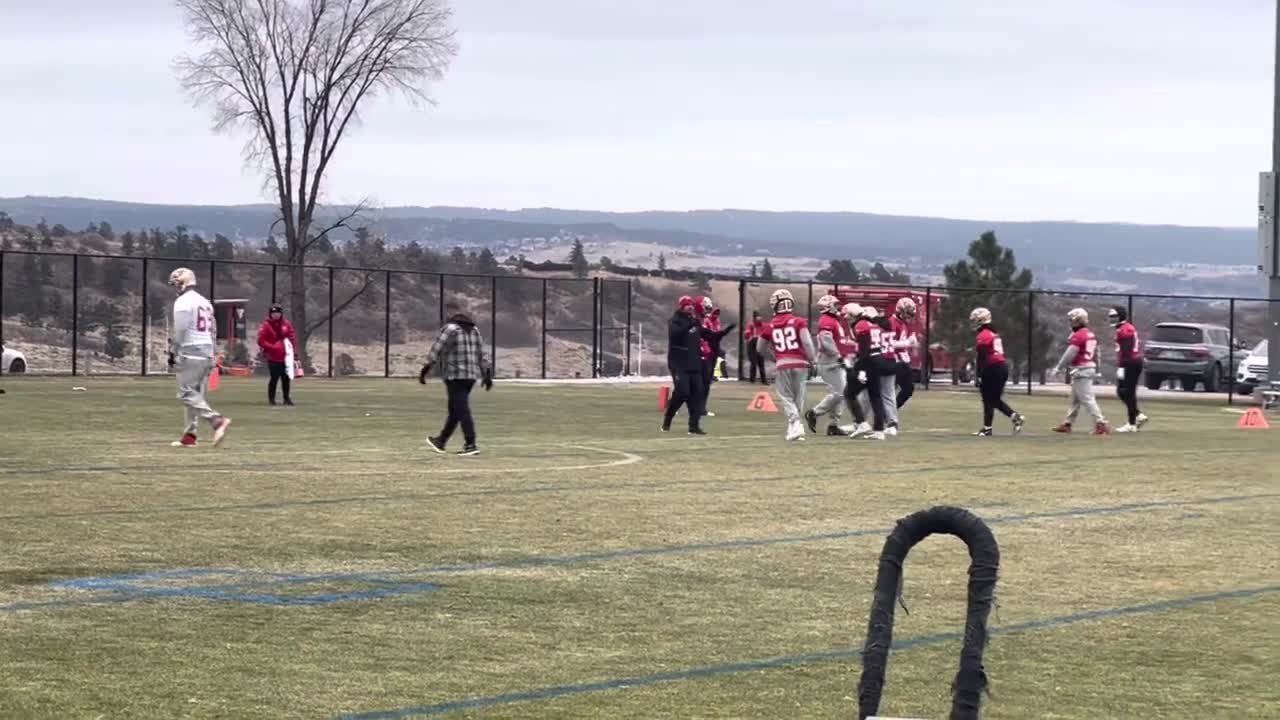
x=1231, y=353
x=742, y=327
x=544, y=328
x=493, y=321
x=441, y=299
x=1031, y=334
x=595, y=327
x=75, y=314
x=274, y=299
x=926, y=364
x=808, y=314
x=330, y=321
x=386, y=327
x=1, y=301
x=628, y=372
x=146, y=316
x=213, y=281
x=1130, y=308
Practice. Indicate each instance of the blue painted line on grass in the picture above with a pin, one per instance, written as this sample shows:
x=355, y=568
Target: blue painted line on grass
x=707, y=671
x=127, y=583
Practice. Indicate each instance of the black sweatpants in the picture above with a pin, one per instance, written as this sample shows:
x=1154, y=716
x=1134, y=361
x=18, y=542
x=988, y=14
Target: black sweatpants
x=278, y=375
x=906, y=388
x=708, y=377
x=757, y=362
x=994, y=378
x=1127, y=389
x=853, y=388
x=686, y=390
x=459, y=411
x=875, y=375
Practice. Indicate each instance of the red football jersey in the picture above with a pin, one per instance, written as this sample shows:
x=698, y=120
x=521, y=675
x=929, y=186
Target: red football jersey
x=990, y=348
x=902, y=332
x=1127, y=346
x=788, y=349
x=886, y=341
x=1086, y=348
x=867, y=335
x=832, y=324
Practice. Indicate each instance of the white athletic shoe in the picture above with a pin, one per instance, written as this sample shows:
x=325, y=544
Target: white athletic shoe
x=862, y=429
x=848, y=429
x=891, y=431
x=1142, y=420
x=876, y=436
x=1127, y=429
x=795, y=431
x=220, y=431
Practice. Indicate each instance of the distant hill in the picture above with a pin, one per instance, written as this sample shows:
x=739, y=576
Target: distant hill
x=716, y=231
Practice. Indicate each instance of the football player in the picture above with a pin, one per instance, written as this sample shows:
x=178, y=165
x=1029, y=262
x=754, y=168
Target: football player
x=793, y=354
x=191, y=353
x=888, y=367
x=1081, y=357
x=833, y=348
x=993, y=373
x=855, y=376
x=870, y=368
x=1128, y=367
x=905, y=342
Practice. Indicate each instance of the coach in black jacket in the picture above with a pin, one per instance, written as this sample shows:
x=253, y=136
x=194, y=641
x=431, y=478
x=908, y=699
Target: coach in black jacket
x=684, y=359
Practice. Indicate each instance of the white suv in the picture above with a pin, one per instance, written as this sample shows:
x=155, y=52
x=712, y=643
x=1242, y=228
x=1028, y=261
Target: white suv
x=12, y=361
x=1253, y=369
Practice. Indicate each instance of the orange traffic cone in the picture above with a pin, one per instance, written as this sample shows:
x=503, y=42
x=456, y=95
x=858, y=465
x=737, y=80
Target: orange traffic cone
x=762, y=402
x=1253, y=419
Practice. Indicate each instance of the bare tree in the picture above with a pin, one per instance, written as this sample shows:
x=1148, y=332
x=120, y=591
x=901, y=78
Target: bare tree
x=294, y=73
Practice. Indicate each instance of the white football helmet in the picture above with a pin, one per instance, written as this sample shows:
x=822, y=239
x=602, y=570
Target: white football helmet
x=1079, y=318
x=870, y=313
x=182, y=278
x=906, y=308
x=979, y=317
x=829, y=304
x=851, y=311
x=782, y=301
x=707, y=305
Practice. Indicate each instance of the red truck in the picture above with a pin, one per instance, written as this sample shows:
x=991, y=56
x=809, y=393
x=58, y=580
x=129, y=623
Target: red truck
x=885, y=299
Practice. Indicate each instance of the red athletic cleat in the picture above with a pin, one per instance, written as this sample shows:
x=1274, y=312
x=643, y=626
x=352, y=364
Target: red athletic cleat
x=188, y=440
x=1064, y=428
x=1102, y=429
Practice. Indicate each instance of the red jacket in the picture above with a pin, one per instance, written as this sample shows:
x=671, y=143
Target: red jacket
x=271, y=337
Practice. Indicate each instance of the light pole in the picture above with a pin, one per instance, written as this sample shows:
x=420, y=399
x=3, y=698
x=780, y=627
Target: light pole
x=1272, y=264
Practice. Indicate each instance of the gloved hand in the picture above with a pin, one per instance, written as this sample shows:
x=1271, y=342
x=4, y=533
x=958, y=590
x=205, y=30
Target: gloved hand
x=422, y=376
x=486, y=379
x=847, y=363
x=862, y=376
x=977, y=381
x=172, y=361
x=1120, y=374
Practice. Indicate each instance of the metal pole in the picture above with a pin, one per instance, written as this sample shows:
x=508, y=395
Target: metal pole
x=1231, y=352
x=742, y=327
x=1, y=302
x=330, y=321
x=809, y=313
x=1130, y=308
x=146, y=316
x=75, y=314
x=544, y=328
x=213, y=280
x=493, y=321
x=274, y=299
x=595, y=327
x=441, y=299
x=926, y=363
x=386, y=327
x=1273, y=285
x=1031, y=333
x=629, y=327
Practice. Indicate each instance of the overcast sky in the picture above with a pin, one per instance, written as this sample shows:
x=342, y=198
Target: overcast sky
x=1133, y=110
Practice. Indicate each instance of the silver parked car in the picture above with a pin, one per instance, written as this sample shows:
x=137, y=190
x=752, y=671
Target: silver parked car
x=1253, y=369
x=1191, y=353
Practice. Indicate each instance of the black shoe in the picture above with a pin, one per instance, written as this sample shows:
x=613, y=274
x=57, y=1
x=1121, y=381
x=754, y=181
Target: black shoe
x=1018, y=422
x=984, y=432
x=288, y=402
x=697, y=431
x=469, y=451
x=835, y=431
x=271, y=402
x=666, y=428
x=811, y=419
x=436, y=444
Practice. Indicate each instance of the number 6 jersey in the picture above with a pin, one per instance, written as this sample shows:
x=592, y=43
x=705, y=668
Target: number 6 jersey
x=193, y=325
x=792, y=346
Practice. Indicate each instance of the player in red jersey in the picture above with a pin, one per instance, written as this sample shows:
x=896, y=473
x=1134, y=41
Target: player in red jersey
x=905, y=342
x=855, y=379
x=793, y=354
x=871, y=368
x=1128, y=367
x=993, y=373
x=756, y=336
x=833, y=347
x=888, y=370
x=1081, y=357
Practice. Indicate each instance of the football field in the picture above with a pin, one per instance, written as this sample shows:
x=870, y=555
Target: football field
x=323, y=563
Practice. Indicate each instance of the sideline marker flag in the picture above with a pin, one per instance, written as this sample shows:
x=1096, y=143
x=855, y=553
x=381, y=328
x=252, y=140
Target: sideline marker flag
x=664, y=395
x=1253, y=419
x=762, y=402
x=214, y=378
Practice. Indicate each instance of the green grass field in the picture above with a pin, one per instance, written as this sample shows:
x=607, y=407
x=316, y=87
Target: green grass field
x=323, y=563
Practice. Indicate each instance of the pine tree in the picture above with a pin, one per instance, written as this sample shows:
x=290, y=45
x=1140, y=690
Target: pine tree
x=126, y=243
x=115, y=277
x=766, y=270
x=116, y=346
x=754, y=272
x=486, y=263
x=662, y=264
x=578, y=259
x=106, y=231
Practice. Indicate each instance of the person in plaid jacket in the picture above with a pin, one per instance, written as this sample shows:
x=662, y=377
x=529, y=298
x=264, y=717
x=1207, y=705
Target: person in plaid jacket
x=459, y=352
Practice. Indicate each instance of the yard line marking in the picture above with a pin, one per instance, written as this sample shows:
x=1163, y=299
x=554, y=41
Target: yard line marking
x=838, y=654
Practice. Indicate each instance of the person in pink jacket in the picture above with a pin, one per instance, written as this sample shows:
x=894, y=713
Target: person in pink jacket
x=272, y=335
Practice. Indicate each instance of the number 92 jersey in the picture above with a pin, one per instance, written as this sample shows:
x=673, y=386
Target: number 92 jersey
x=788, y=348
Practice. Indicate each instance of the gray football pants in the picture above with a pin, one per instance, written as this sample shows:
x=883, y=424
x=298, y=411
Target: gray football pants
x=193, y=390
x=833, y=403
x=889, y=396
x=790, y=385
x=1082, y=395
